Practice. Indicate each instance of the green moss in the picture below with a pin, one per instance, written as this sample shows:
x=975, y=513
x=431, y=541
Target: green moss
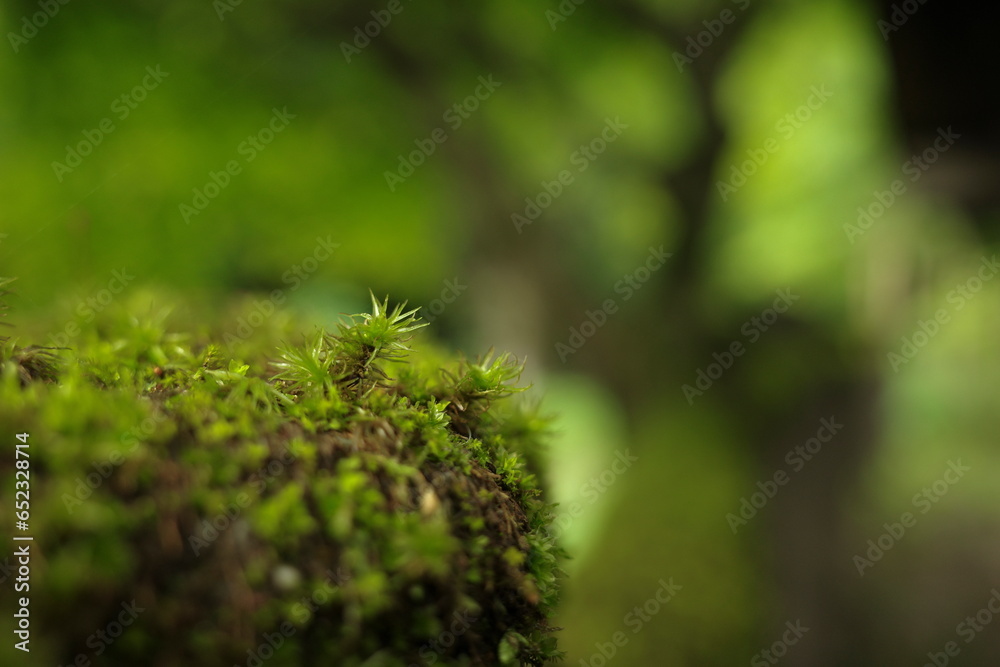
x=370, y=505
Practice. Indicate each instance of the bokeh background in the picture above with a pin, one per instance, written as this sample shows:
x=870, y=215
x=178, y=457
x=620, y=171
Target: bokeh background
x=516, y=168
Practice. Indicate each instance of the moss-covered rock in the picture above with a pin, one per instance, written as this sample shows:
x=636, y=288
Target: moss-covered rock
x=329, y=503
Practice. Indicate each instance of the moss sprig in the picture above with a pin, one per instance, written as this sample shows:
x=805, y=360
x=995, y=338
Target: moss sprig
x=476, y=385
x=365, y=339
x=308, y=365
x=33, y=362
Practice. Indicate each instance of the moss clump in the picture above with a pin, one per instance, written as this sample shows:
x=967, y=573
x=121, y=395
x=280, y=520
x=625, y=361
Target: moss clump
x=324, y=503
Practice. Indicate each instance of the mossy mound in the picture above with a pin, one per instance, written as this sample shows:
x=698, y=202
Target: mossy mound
x=324, y=504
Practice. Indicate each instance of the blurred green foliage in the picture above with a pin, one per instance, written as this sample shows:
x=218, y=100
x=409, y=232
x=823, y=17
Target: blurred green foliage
x=324, y=177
